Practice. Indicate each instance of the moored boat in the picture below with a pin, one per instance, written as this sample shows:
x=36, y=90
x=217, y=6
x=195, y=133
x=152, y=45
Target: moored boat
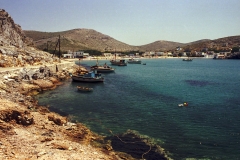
x=187, y=59
x=120, y=62
x=134, y=61
x=102, y=69
x=88, y=77
x=84, y=89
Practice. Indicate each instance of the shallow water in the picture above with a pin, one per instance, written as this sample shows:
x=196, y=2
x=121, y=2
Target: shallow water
x=145, y=98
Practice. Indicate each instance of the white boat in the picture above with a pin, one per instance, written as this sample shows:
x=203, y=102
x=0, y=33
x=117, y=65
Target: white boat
x=187, y=59
x=134, y=61
x=102, y=69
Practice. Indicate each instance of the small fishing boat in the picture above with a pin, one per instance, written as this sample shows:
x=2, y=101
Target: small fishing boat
x=102, y=69
x=134, y=61
x=84, y=89
x=144, y=63
x=187, y=59
x=88, y=77
x=120, y=62
x=116, y=62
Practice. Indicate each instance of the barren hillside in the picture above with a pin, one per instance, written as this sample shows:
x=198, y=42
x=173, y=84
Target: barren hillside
x=88, y=39
x=84, y=39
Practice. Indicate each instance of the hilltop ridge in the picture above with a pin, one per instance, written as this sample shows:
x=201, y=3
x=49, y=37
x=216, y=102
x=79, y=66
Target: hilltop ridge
x=89, y=39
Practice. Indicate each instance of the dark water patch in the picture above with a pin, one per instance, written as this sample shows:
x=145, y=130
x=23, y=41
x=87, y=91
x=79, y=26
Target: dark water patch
x=137, y=146
x=198, y=83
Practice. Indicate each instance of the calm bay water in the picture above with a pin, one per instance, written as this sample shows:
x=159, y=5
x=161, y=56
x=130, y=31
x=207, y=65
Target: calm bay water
x=145, y=98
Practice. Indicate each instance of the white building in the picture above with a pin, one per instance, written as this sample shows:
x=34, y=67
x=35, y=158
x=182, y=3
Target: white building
x=77, y=54
x=107, y=54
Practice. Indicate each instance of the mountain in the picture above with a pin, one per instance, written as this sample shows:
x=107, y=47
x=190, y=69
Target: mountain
x=78, y=39
x=160, y=46
x=88, y=39
x=221, y=44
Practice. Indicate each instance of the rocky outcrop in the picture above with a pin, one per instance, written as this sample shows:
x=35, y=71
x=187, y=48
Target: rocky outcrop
x=28, y=80
x=11, y=56
x=11, y=34
x=15, y=47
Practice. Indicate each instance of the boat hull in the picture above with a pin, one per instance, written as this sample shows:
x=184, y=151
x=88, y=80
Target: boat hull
x=118, y=63
x=134, y=62
x=105, y=70
x=189, y=60
x=101, y=69
x=84, y=89
x=87, y=79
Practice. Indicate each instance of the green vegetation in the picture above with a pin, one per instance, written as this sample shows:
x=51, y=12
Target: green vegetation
x=132, y=52
x=92, y=52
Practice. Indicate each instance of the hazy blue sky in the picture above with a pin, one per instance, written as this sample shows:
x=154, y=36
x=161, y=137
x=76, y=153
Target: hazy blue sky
x=135, y=22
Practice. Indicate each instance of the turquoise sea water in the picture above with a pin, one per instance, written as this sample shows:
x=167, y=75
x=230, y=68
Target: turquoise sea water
x=145, y=98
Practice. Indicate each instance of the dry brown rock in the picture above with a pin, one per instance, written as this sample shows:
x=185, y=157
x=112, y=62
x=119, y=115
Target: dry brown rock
x=43, y=139
x=25, y=88
x=44, y=84
x=58, y=120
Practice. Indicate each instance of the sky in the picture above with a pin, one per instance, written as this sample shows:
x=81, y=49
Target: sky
x=134, y=22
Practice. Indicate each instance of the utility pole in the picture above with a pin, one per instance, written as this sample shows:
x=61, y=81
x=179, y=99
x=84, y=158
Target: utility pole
x=59, y=47
x=47, y=45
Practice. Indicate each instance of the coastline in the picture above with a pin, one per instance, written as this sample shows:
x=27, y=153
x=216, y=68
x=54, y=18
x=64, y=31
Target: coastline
x=30, y=131
x=33, y=132
x=140, y=58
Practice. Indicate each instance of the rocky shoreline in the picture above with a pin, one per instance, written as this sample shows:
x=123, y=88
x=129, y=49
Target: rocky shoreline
x=30, y=131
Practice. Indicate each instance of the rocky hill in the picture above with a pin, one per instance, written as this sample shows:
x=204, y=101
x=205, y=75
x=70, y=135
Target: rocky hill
x=221, y=44
x=78, y=39
x=160, y=46
x=11, y=33
x=16, y=48
x=88, y=39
